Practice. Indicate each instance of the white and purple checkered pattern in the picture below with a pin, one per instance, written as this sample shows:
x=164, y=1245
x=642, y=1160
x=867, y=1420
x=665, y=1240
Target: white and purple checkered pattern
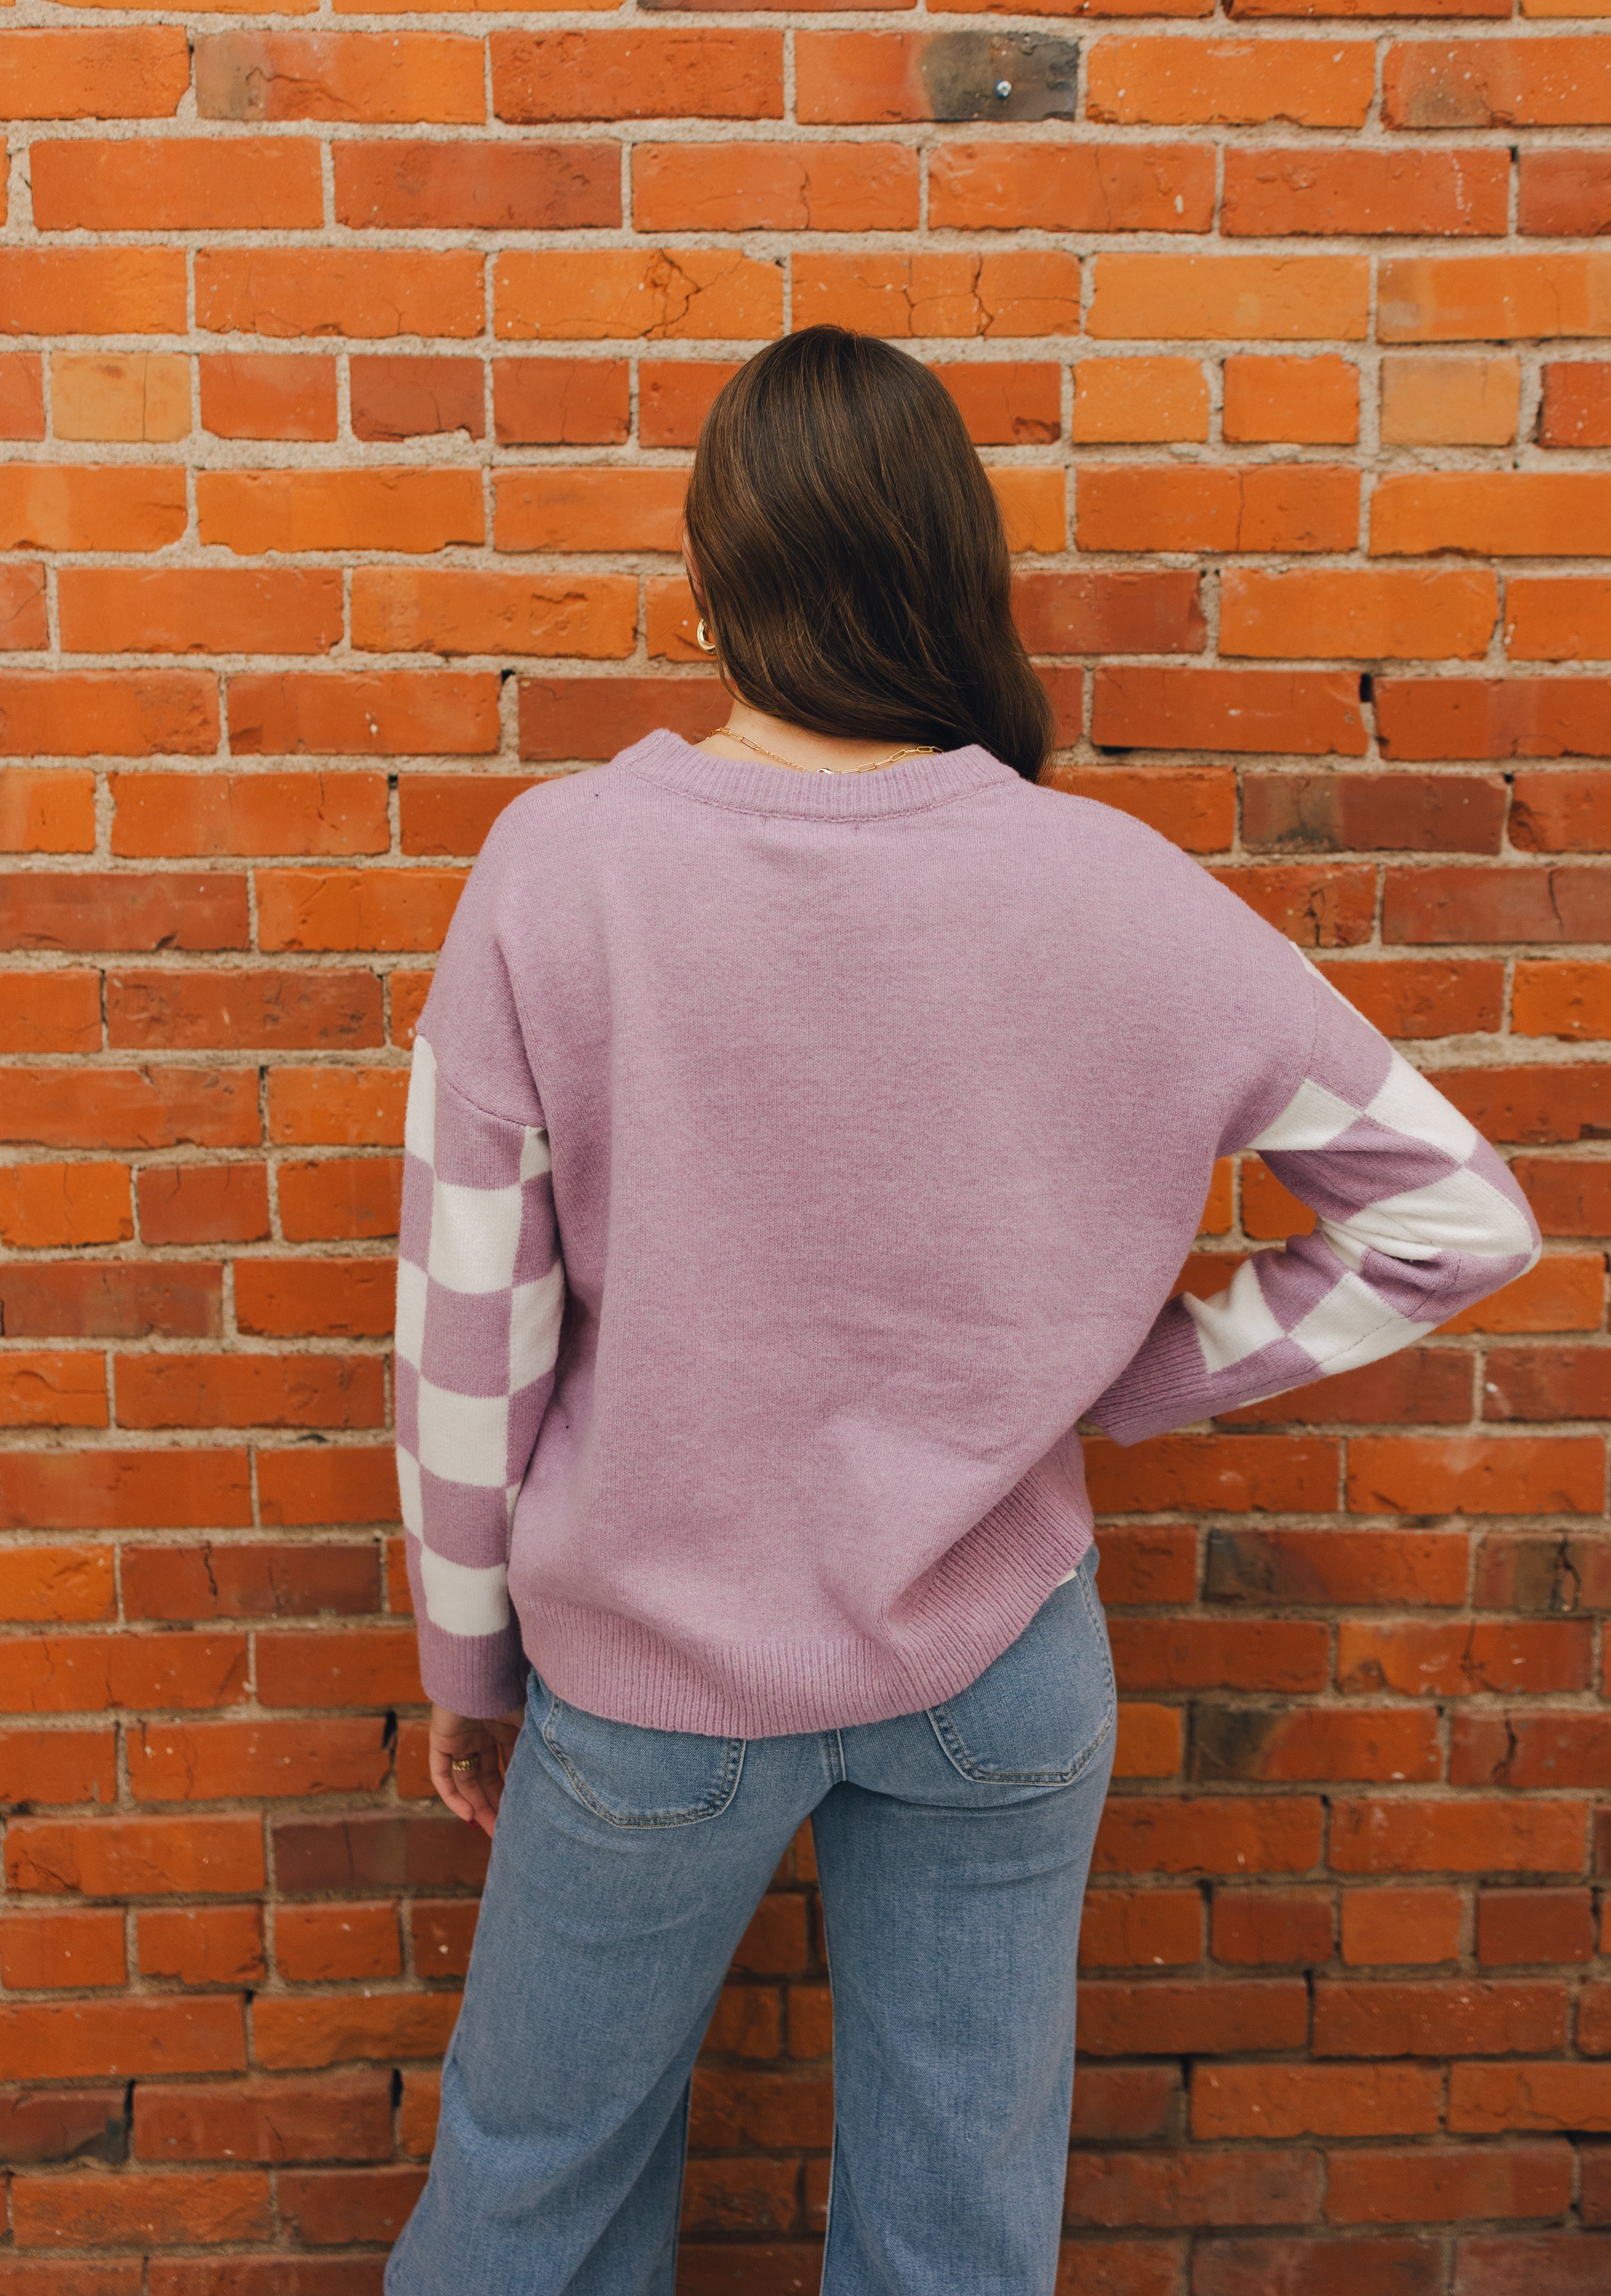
x=1417, y=1218
x=480, y=1296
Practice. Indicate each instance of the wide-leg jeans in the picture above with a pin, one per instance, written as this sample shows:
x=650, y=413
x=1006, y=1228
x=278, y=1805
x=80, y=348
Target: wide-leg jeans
x=953, y=1847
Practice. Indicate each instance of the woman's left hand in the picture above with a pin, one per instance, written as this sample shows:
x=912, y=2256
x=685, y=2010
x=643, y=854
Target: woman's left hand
x=474, y=1793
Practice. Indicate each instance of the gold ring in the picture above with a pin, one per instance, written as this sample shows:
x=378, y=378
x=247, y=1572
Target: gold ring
x=466, y=1762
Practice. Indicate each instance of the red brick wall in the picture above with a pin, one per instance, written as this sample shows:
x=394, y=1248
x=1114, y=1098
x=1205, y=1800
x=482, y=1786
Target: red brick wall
x=352, y=373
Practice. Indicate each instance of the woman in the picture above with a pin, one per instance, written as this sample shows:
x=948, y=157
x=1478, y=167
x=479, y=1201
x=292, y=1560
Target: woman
x=806, y=1129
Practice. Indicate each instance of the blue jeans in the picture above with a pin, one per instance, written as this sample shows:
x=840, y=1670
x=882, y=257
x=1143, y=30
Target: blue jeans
x=952, y=1846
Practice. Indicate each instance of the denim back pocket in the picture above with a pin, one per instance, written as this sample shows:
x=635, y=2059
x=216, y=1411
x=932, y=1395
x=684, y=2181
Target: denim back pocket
x=633, y=1776
x=1040, y=1713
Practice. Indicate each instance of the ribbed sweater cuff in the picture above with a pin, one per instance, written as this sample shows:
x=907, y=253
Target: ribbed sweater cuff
x=1164, y=1385
x=480, y=1675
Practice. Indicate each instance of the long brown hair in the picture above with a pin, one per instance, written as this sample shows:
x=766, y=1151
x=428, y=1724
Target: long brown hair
x=849, y=556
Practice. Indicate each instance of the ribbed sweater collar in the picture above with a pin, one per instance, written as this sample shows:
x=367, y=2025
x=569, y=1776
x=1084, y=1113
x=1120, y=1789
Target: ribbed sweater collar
x=911, y=785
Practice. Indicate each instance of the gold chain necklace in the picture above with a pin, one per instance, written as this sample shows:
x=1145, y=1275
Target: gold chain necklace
x=927, y=751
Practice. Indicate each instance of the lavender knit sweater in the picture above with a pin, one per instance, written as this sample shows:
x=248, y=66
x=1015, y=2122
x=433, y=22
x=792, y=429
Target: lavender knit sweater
x=793, y=1159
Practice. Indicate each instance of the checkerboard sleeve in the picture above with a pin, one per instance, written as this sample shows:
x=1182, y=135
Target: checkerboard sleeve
x=1417, y=1217
x=481, y=1293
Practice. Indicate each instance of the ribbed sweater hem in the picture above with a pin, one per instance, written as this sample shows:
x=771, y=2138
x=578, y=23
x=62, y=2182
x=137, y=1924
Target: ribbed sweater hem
x=982, y=1596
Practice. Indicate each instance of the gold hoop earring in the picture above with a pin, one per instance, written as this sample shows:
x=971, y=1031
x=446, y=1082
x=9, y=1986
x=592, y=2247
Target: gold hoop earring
x=703, y=640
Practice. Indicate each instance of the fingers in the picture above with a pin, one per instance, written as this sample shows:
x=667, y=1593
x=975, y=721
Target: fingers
x=471, y=1795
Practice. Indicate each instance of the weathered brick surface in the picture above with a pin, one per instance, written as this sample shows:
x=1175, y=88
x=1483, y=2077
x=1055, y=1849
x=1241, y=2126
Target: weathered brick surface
x=349, y=375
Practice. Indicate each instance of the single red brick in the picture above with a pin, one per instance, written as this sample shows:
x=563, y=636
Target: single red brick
x=1073, y=187
x=1564, y=193
x=1492, y=2100
x=88, y=713
x=1465, y=1836
x=39, y=1950
x=57, y=1766
x=1126, y=2101
x=166, y=1107
x=775, y=186
x=92, y=291
x=1522, y=1570
x=341, y=1299
x=552, y=401
x=63, y=2125
x=1426, y=1660
x=1525, y=1751
x=332, y=1484
x=248, y=1580
x=1140, y=1929
x=1317, y=2267
x=472, y=610
x=1576, y=410
x=1475, y=1474
x=22, y=415
x=203, y=1203
x=72, y=2040
x=408, y=185
x=250, y=813
x=674, y=397
x=350, y=76
x=219, y=2205
x=46, y=812
x=1213, y=2017
x=174, y=1010
x=1143, y=1833
x=409, y=397
x=1168, y=81
x=1435, y=2185
x=1283, y=506
x=442, y=1932
x=93, y=909
x=1239, y=1475
x=1518, y=1926
x=177, y=609
x=1532, y=1104
x=637, y=75
x=1090, y=612
x=175, y=183
x=413, y=510
x=1527, y=82
x=377, y=713
x=1244, y=1743
x=1438, y=2018
x=314, y=1944
x=346, y=2116
x=309, y=1107
x=1336, y=1566
x=1251, y=1927
x=1196, y=2188
x=376, y=1666
x=267, y=2276
x=341, y=1197
x=595, y=717
x=46, y=1204
x=306, y=2031
x=128, y=1490
x=76, y=507
x=1307, y=713
x=115, y=1300
x=1399, y=1927
x=43, y=1583
x=203, y=1945
x=1286, y=2101
x=268, y=395
x=1318, y=192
